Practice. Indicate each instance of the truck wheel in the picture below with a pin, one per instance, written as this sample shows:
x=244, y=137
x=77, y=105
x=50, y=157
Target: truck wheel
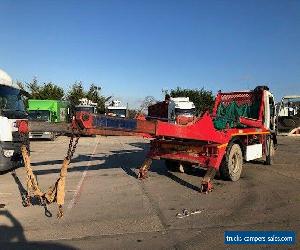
x=270, y=151
x=232, y=164
x=172, y=166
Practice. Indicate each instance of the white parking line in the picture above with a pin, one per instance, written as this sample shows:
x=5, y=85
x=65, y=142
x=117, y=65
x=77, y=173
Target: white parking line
x=78, y=188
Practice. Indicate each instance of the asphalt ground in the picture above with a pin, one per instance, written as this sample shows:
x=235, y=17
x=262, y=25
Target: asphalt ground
x=107, y=207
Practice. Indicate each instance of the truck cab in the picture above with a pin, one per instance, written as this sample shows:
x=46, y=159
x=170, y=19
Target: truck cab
x=183, y=109
x=178, y=110
x=269, y=111
x=288, y=115
x=13, y=124
x=86, y=105
x=116, y=109
x=48, y=111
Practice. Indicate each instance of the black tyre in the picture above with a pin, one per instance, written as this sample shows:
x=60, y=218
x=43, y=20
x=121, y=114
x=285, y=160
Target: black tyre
x=172, y=166
x=232, y=164
x=270, y=151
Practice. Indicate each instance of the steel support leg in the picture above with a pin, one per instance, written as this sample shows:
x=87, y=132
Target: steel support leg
x=206, y=185
x=143, y=171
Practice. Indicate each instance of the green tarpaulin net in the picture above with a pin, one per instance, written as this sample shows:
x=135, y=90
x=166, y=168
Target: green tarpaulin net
x=228, y=116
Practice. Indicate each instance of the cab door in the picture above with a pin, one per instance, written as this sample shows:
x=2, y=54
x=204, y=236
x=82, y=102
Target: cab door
x=269, y=118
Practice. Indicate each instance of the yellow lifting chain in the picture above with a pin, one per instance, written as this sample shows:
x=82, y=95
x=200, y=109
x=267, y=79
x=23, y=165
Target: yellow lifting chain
x=56, y=192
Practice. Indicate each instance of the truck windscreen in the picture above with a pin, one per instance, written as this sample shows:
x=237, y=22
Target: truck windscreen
x=85, y=109
x=10, y=99
x=39, y=115
x=185, y=111
x=117, y=112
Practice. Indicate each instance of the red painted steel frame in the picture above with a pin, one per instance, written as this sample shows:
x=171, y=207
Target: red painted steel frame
x=202, y=130
x=205, y=155
x=84, y=121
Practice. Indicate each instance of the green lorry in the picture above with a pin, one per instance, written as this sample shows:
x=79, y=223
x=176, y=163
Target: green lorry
x=54, y=111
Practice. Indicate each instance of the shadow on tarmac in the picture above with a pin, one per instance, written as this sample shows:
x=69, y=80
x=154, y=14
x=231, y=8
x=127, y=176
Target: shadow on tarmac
x=128, y=160
x=34, y=201
x=12, y=237
x=22, y=190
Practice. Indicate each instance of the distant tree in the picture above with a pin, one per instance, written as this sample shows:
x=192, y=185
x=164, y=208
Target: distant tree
x=44, y=91
x=50, y=91
x=21, y=85
x=203, y=99
x=75, y=93
x=93, y=94
x=132, y=113
x=33, y=89
x=149, y=100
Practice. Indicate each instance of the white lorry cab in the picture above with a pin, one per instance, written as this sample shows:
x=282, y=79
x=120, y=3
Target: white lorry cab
x=182, y=106
x=13, y=124
x=181, y=109
x=116, y=109
x=86, y=105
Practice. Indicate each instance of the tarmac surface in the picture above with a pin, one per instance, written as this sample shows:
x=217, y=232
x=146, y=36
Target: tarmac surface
x=107, y=207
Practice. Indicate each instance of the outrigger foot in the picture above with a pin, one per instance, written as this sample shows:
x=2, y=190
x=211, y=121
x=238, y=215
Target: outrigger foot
x=143, y=174
x=206, y=185
x=143, y=171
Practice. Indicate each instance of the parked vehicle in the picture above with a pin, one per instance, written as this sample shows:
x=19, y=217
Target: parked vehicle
x=86, y=105
x=179, y=110
x=116, y=109
x=288, y=115
x=48, y=111
x=13, y=122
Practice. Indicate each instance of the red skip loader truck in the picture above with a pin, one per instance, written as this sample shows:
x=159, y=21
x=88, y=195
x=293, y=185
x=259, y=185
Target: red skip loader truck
x=240, y=128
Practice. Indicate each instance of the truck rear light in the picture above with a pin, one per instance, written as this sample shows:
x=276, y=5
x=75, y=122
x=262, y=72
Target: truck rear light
x=22, y=126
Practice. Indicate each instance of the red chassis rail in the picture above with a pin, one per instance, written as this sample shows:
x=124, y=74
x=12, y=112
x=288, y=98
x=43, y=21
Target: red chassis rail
x=203, y=154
